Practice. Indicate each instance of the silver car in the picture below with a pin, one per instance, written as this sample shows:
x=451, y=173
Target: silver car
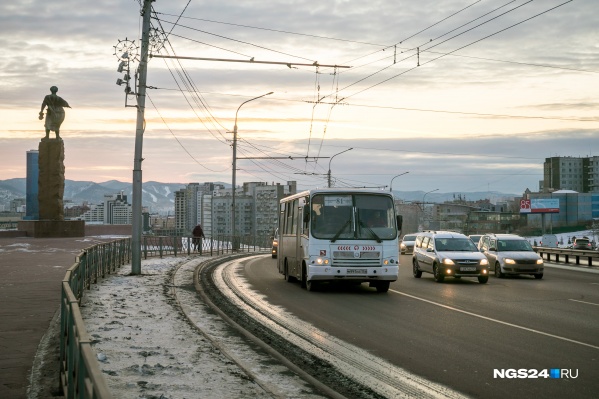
x=406, y=244
x=448, y=254
x=511, y=254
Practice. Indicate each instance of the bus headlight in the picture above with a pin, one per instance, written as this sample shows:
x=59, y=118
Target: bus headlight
x=322, y=261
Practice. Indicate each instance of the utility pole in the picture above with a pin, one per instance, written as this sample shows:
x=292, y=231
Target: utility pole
x=136, y=222
x=233, y=183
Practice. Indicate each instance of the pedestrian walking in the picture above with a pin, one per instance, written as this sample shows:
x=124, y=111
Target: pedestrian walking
x=198, y=234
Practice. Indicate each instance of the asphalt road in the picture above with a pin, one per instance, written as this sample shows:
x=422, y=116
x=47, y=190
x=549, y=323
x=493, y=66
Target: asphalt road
x=458, y=332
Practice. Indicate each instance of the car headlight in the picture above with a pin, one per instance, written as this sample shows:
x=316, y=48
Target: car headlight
x=484, y=262
x=539, y=261
x=448, y=262
x=510, y=261
x=402, y=245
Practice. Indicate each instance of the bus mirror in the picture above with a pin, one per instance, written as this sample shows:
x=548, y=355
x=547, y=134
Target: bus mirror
x=306, y=215
x=399, y=221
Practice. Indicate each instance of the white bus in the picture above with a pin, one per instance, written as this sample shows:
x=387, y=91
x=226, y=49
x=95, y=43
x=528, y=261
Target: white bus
x=339, y=235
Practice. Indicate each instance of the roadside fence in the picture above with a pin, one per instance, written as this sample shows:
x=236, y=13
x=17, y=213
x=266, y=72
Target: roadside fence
x=80, y=373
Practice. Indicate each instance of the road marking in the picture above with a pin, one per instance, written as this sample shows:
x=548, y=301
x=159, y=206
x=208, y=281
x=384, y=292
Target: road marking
x=588, y=303
x=495, y=320
x=384, y=378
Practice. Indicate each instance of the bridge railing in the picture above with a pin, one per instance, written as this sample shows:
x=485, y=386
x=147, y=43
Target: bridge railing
x=80, y=373
x=565, y=255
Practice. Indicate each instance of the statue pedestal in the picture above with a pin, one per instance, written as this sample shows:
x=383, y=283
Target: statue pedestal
x=52, y=228
x=51, y=179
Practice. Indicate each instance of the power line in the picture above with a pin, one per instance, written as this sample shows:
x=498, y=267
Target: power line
x=460, y=48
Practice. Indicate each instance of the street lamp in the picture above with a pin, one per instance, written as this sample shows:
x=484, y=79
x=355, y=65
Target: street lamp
x=235, y=164
x=391, y=185
x=423, y=197
x=329, y=173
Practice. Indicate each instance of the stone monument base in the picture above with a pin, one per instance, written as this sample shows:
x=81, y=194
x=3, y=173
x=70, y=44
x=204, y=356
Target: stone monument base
x=52, y=228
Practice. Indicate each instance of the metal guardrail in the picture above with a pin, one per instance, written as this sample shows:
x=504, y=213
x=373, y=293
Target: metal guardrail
x=80, y=373
x=566, y=255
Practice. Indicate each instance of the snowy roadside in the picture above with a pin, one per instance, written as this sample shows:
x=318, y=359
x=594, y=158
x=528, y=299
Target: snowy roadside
x=147, y=347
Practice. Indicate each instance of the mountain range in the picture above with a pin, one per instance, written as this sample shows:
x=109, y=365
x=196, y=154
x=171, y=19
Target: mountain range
x=160, y=197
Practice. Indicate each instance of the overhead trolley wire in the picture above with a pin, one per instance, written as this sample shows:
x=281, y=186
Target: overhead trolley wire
x=453, y=51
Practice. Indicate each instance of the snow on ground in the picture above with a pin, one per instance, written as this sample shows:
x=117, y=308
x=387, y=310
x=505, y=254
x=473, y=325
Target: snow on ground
x=147, y=348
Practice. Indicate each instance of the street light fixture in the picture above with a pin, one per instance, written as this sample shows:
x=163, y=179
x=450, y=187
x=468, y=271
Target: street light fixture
x=423, y=197
x=235, y=165
x=329, y=173
x=391, y=184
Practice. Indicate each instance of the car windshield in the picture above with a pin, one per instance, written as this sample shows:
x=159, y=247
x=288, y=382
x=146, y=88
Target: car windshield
x=355, y=217
x=582, y=241
x=409, y=238
x=513, y=245
x=455, y=244
x=475, y=239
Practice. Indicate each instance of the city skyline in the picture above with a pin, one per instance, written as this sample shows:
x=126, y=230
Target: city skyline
x=481, y=112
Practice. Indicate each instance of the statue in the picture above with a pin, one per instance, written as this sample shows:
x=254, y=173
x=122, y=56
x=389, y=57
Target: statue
x=55, y=114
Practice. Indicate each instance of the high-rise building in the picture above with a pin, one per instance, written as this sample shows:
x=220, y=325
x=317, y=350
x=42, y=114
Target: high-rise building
x=580, y=174
x=114, y=210
x=180, y=211
x=32, y=211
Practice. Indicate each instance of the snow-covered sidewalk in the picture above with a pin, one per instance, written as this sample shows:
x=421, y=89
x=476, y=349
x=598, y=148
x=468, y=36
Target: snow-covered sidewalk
x=148, y=347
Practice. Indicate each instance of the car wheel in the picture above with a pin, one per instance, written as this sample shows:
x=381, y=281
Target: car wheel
x=437, y=274
x=498, y=272
x=483, y=279
x=539, y=276
x=415, y=271
x=382, y=286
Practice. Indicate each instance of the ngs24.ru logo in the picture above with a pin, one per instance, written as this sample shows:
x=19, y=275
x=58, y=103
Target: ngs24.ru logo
x=534, y=373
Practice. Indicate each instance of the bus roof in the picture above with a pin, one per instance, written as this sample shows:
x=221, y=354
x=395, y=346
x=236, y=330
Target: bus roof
x=336, y=191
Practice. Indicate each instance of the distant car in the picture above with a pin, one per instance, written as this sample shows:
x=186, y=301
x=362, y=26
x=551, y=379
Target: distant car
x=549, y=241
x=406, y=244
x=475, y=238
x=511, y=254
x=582, y=243
x=448, y=254
x=275, y=244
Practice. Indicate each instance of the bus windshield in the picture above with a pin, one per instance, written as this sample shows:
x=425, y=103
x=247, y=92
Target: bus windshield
x=353, y=217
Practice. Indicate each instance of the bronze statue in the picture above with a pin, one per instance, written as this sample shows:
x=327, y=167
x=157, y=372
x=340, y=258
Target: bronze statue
x=55, y=114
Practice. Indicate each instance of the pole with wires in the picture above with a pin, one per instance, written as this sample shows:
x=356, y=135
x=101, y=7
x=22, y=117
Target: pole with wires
x=136, y=216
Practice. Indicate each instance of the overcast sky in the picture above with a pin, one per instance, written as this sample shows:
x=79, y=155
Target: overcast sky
x=464, y=95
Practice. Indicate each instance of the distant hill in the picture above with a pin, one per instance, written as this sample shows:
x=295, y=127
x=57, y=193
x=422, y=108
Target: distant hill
x=160, y=197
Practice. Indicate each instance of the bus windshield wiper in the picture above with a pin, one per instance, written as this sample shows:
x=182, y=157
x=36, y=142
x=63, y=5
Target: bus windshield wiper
x=336, y=236
x=377, y=238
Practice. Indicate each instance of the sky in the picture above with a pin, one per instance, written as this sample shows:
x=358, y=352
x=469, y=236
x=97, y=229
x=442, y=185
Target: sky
x=463, y=95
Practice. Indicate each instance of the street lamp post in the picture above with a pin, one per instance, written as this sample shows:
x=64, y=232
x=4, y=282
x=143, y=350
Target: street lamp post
x=423, y=205
x=235, y=166
x=391, y=184
x=329, y=173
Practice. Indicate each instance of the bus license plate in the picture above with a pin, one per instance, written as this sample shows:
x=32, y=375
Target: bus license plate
x=357, y=271
x=467, y=269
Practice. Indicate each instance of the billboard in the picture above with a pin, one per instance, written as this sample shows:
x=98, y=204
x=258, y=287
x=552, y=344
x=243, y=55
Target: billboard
x=539, y=205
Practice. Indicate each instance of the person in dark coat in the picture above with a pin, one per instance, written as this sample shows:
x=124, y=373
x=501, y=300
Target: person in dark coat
x=198, y=234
